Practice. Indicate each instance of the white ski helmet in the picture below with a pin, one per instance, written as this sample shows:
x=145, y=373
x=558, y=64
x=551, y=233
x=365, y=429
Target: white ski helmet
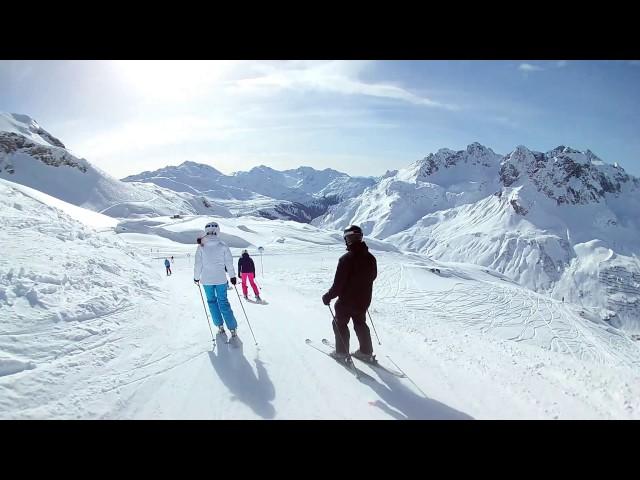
x=212, y=228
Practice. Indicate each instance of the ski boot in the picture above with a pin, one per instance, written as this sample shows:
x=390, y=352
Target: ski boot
x=365, y=357
x=221, y=330
x=246, y=297
x=258, y=299
x=339, y=356
x=233, y=333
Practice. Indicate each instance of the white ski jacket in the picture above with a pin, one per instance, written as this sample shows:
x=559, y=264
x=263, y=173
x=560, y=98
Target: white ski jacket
x=212, y=257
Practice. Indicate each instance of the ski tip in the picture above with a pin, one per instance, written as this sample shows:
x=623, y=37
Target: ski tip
x=308, y=340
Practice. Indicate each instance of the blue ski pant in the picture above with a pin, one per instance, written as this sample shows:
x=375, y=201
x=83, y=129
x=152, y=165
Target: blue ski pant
x=219, y=306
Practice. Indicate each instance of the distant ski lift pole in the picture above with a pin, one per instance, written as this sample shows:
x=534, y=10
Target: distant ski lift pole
x=261, y=249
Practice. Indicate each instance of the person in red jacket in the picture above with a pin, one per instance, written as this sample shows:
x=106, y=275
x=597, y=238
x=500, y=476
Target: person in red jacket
x=247, y=271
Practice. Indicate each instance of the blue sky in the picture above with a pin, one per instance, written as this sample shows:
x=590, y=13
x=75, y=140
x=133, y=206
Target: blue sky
x=361, y=117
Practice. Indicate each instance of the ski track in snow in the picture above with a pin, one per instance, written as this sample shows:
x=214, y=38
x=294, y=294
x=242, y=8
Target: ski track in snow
x=512, y=313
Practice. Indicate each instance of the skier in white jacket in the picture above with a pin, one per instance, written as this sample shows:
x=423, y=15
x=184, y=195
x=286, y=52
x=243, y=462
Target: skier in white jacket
x=213, y=257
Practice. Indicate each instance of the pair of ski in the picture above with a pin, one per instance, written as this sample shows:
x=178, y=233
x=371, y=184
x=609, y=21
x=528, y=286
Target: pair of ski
x=348, y=362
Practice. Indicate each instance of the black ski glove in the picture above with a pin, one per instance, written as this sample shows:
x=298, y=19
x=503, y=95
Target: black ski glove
x=197, y=282
x=325, y=299
x=233, y=280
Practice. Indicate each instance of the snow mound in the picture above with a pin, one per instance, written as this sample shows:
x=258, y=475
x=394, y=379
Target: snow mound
x=56, y=269
x=11, y=366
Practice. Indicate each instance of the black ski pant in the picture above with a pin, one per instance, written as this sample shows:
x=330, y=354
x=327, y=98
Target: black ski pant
x=344, y=313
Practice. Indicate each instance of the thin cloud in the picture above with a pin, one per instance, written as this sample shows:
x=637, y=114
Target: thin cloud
x=335, y=77
x=527, y=67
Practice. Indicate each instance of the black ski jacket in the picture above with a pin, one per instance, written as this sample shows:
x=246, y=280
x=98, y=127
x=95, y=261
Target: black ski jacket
x=245, y=264
x=353, y=282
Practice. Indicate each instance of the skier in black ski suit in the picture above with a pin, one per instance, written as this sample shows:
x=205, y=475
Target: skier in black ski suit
x=353, y=285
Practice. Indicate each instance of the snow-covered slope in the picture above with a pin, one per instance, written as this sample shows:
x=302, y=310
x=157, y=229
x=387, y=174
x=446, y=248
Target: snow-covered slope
x=60, y=283
x=31, y=156
x=263, y=232
x=299, y=194
x=97, y=330
x=95, y=220
x=523, y=215
x=598, y=277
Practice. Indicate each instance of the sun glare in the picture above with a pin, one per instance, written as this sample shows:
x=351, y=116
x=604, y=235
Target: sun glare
x=172, y=79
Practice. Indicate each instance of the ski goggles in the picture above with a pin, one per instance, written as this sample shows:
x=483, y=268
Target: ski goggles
x=212, y=228
x=348, y=234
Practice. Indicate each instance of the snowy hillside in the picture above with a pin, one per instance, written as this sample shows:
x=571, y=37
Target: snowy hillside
x=31, y=156
x=91, y=327
x=523, y=215
x=299, y=194
x=599, y=277
x=62, y=285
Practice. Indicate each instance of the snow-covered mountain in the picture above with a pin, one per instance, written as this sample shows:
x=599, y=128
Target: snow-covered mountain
x=302, y=184
x=530, y=215
x=401, y=198
x=298, y=194
x=31, y=156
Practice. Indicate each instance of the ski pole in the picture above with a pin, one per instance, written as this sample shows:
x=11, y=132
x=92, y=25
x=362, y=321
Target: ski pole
x=374, y=327
x=245, y=314
x=344, y=344
x=206, y=314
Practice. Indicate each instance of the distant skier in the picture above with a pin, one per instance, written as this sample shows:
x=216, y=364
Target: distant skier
x=213, y=259
x=167, y=265
x=172, y=259
x=353, y=285
x=247, y=271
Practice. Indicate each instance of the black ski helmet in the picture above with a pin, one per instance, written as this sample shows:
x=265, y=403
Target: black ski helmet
x=352, y=234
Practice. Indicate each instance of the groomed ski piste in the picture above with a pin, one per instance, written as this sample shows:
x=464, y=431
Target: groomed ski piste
x=92, y=328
